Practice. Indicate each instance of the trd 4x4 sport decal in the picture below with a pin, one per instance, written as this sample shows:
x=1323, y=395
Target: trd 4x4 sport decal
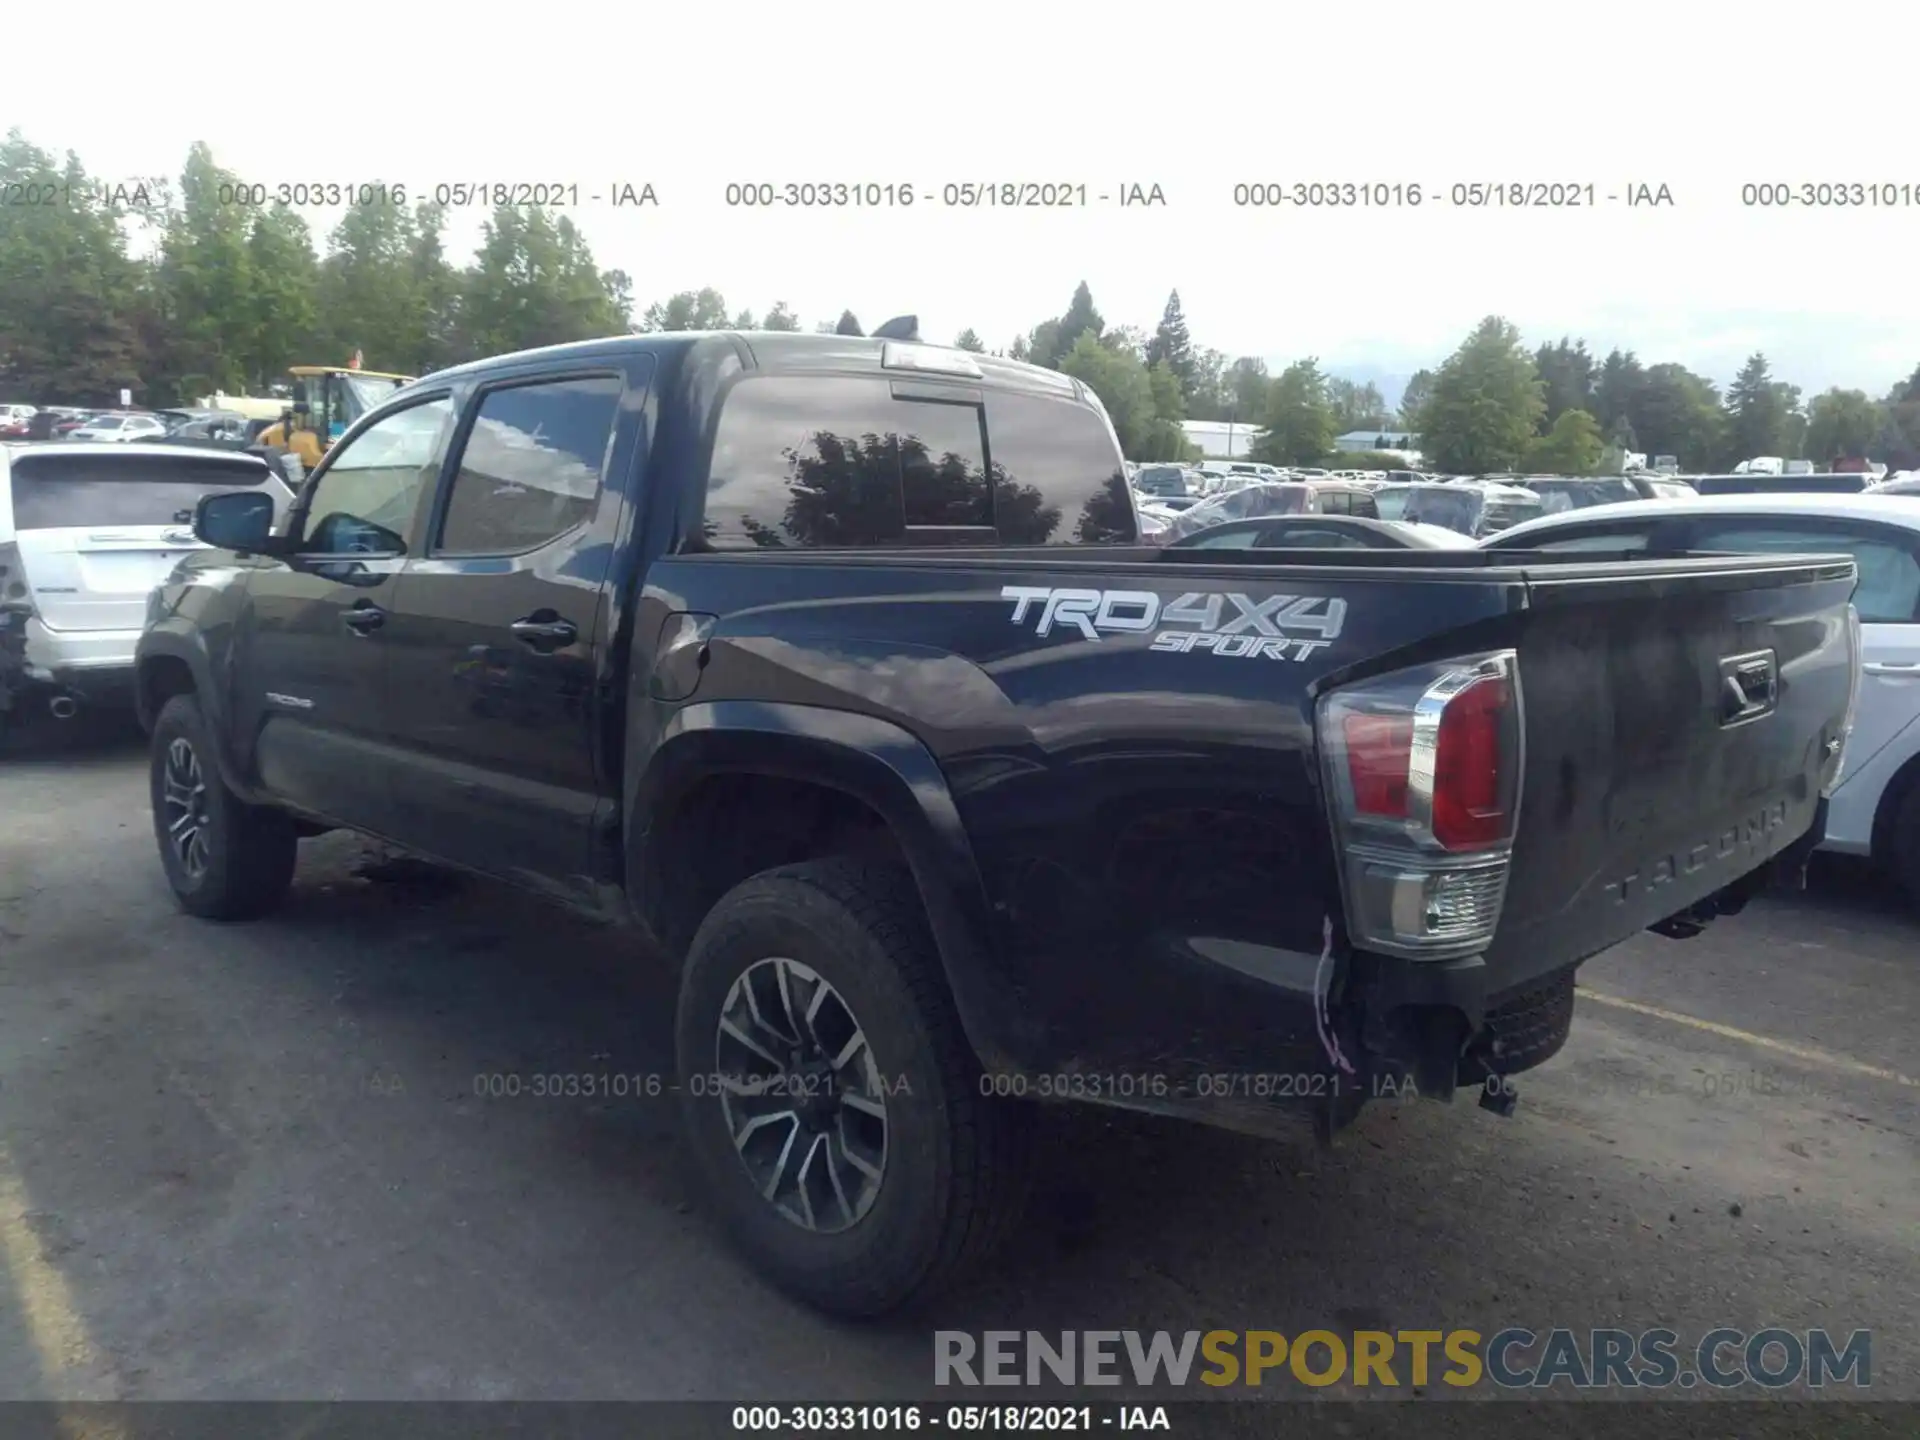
x=1226, y=624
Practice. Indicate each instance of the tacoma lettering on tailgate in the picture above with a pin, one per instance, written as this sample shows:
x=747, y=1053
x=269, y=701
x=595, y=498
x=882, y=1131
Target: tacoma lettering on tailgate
x=1222, y=623
x=1735, y=840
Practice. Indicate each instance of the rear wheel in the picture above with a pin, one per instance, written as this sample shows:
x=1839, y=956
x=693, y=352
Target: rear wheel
x=832, y=1103
x=1903, y=843
x=225, y=860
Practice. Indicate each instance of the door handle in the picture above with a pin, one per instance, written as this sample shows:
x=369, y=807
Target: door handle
x=543, y=634
x=363, y=618
x=1909, y=668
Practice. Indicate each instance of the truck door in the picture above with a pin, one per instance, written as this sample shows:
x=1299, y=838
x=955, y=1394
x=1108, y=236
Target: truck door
x=496, y=629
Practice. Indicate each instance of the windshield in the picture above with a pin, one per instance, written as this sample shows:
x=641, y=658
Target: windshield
x=1246, y=503
x=1391, y=501
x=1453, y=509
x=362, y=393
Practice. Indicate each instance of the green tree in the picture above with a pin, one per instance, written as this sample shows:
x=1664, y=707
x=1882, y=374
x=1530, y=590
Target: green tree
x=1207, y=396
x=1574, y=446
x=1173, y=344
x=1081, y=319
x=967, y=340
x=1842, y=424
x=1677, y=412
x=848, y=325
x=1019, y=349
x=745, y=321
x=688, y=310
x=1413, y=398
x=1123, y=385
x=1247, y=383
x=206, y=278
x=535, y=283
x=67, y=330
x=1616, y=396
x=1357, y=406
x=1299, y=418
x=282, y=300
x=370, y=297
x=1485, y=403
x=1567, y=375
x=1760, y=413
x=780, y=318
x=1168, y=438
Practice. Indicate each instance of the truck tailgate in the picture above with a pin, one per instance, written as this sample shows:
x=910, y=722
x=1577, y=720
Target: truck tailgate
x=1681, y=719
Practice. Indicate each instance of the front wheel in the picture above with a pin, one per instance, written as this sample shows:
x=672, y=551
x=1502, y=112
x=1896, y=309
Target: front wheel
x=832, y=1103
x=225, y=860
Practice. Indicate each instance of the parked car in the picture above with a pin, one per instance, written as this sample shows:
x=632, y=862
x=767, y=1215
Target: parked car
x=1472, y=507
x=1163, y=481
x=119, y=429
x=86, y=532
x=922, y=783
x=1875, y=810
x=1270, y=497
x=1321, y=532
x=12, y=415
x=1900, y=485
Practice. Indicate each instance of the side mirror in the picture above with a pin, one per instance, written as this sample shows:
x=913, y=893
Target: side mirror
x=239, y=520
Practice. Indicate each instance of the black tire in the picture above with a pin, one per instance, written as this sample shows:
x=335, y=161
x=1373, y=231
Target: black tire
x=246, y=864
x=957, y=1165
x=1903, y=843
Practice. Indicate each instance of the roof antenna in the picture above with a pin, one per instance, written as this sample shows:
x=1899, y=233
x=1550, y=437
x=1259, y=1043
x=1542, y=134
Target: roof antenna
x=901, y=327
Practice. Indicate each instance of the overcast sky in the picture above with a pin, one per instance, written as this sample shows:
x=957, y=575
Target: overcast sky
x=1193, y=97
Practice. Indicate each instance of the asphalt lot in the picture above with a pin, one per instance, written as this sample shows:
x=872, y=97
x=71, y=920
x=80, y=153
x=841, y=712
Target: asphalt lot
x=250, y=1161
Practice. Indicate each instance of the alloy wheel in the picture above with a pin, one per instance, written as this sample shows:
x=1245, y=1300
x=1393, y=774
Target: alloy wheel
x=184, y=802
x=803, y=1097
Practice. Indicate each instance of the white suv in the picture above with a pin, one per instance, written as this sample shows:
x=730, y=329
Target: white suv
x=86, y=531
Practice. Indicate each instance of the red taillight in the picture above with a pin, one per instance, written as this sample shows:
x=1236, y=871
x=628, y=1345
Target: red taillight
x=1469, y=810
x=1379, y=756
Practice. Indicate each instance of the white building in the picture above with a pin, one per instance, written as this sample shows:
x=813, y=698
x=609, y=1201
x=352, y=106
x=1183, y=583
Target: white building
x=1221, y=439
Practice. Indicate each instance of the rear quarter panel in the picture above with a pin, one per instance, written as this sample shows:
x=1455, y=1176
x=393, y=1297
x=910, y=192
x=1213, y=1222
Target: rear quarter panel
x=1153, y=860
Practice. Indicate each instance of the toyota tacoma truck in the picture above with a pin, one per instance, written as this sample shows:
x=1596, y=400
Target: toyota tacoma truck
x=837, y=666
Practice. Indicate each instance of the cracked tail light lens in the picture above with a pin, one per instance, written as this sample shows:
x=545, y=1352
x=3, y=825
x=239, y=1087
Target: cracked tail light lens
x=1423, y=779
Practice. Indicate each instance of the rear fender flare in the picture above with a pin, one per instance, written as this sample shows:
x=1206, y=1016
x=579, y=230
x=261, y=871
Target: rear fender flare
x=873, y=761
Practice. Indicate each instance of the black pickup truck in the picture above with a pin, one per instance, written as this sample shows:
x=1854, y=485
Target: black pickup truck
x=836, y=665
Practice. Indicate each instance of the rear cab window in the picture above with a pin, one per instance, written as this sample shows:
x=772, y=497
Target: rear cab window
x=54, y=490
x=850, y=462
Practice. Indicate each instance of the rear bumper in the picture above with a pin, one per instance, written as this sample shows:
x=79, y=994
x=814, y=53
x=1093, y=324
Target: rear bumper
x=95, y=666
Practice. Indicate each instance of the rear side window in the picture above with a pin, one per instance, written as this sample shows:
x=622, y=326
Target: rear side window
x=53, y=491
x=1889, y=588
x=531, y=467
x=838, y=462
x=1363, y=505
x=1057, y=474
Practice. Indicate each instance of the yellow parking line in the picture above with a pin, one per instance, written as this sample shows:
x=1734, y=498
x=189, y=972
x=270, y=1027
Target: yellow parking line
x=53, y=1323
x=1808, y=1053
